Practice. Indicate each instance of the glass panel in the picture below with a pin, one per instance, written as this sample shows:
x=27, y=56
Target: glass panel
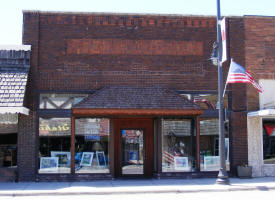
x=60, y=101
x=177, y=146
x=209, y=145
x=206, y=101
x=269, y=141
x=54, y=145
x=132, y=151
x=8, y=149
x=92, y=145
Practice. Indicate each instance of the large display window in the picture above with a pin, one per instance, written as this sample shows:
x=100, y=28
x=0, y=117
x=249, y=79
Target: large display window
x=178, y=140
x=54, y=154
x=269, y=141
x=92, y=145
x=209, y=145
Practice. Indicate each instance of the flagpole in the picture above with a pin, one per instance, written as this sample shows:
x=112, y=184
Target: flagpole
x=222, y=176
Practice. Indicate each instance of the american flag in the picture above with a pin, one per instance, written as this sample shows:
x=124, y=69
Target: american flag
x=237, y=74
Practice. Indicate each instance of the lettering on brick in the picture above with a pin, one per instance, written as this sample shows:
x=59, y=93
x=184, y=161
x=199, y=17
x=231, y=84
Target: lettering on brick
x=134, y=47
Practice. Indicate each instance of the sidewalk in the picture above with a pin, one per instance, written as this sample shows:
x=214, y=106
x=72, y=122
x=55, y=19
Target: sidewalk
x=133, y=186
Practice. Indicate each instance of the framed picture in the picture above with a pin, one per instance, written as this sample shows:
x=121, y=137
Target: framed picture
x=100, y=156
x=64, y=157
x=87, y=159
x=211, y=163
x=133, y=157
x=49, y=163
x=181, y=163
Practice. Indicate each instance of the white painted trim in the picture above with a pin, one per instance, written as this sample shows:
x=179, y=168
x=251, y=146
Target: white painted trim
x=262, y=113
x=15, y=47
x=13, y=110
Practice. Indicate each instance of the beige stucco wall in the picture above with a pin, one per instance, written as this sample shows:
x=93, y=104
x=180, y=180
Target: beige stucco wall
x=255, y=148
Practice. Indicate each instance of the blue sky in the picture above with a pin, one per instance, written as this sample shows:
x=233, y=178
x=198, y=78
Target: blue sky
x=11, y=10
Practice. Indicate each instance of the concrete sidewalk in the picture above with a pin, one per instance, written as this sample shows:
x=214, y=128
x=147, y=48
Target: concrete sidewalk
x=134, y=186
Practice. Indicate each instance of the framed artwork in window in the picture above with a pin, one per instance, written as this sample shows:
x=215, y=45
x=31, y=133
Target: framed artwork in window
x=87, y=159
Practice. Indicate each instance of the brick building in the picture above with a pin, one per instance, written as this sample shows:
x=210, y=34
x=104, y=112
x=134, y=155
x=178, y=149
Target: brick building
x=127, y=95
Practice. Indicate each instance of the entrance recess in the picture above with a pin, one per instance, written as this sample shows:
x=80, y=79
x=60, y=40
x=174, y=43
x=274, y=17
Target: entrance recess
x=132, y=152
x=134, y=146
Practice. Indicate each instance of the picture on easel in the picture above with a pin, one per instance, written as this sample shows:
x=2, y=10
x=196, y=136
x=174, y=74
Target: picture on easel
x=100, y=157
x=87, y=159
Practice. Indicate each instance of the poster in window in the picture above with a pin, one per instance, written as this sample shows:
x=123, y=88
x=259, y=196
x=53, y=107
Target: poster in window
x=64, y=157
x=87, y=159
x=49, y=163
x=101, y=158
x=181, y=163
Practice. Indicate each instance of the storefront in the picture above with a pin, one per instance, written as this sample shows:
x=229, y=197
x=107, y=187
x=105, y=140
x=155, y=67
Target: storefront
x=115, y=96
x=14, y=68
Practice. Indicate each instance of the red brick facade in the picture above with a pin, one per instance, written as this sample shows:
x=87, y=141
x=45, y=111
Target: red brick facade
x=85, y=51
x=259, y=51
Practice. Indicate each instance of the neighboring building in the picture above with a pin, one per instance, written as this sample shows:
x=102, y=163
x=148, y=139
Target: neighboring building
x=128, y=95
x=260, y=60
x=14, y=68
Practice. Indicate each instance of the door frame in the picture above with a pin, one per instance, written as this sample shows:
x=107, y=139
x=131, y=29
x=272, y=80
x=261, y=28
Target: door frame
x=145, y=124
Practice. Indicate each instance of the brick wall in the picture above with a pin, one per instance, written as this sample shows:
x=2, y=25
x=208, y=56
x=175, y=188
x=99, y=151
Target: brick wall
x=259, y=51
x=26, y=152
x=74, y=53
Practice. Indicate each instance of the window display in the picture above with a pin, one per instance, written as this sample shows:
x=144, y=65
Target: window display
x=178, y=146
x=209, y=145
x=54, y=145
x=269, y=141
x=92, y=145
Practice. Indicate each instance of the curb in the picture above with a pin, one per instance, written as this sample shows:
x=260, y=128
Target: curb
x=28, y=193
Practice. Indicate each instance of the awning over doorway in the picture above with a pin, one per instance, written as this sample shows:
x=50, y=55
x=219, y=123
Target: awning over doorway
x=127, y=100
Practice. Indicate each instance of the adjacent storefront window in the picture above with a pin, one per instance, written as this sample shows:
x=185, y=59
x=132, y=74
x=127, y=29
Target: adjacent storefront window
x=209, y=145
x=54, y=145
x=92, y=145
x=269, y=141
x=178, y=140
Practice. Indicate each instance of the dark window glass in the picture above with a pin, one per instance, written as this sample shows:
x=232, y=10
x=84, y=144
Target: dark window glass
x=92, y=145
x=54, y=145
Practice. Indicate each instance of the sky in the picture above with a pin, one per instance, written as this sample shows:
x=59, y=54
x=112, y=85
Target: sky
x=11, y=19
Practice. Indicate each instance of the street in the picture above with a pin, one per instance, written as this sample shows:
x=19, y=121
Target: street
x=249, y=195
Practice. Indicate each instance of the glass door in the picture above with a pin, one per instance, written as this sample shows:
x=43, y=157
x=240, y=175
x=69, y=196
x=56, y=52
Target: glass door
x=132, y=152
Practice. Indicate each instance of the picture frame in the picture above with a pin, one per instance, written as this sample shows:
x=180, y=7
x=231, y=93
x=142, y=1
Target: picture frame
x=49, y=163
x=87, y=159
x=211, y=163
x=181, y=163
x=64, y=157
x=133, y=157
x=100, y=157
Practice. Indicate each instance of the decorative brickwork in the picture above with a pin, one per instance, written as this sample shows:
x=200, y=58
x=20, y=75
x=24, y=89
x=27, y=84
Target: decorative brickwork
x=133, y=47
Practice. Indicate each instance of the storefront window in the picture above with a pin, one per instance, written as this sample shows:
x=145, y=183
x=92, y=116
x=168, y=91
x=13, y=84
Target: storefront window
x=92, y=145
x=209, y=145
x=206, y=101
x=269, y=141
x=178, y=141
x=54, y=145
